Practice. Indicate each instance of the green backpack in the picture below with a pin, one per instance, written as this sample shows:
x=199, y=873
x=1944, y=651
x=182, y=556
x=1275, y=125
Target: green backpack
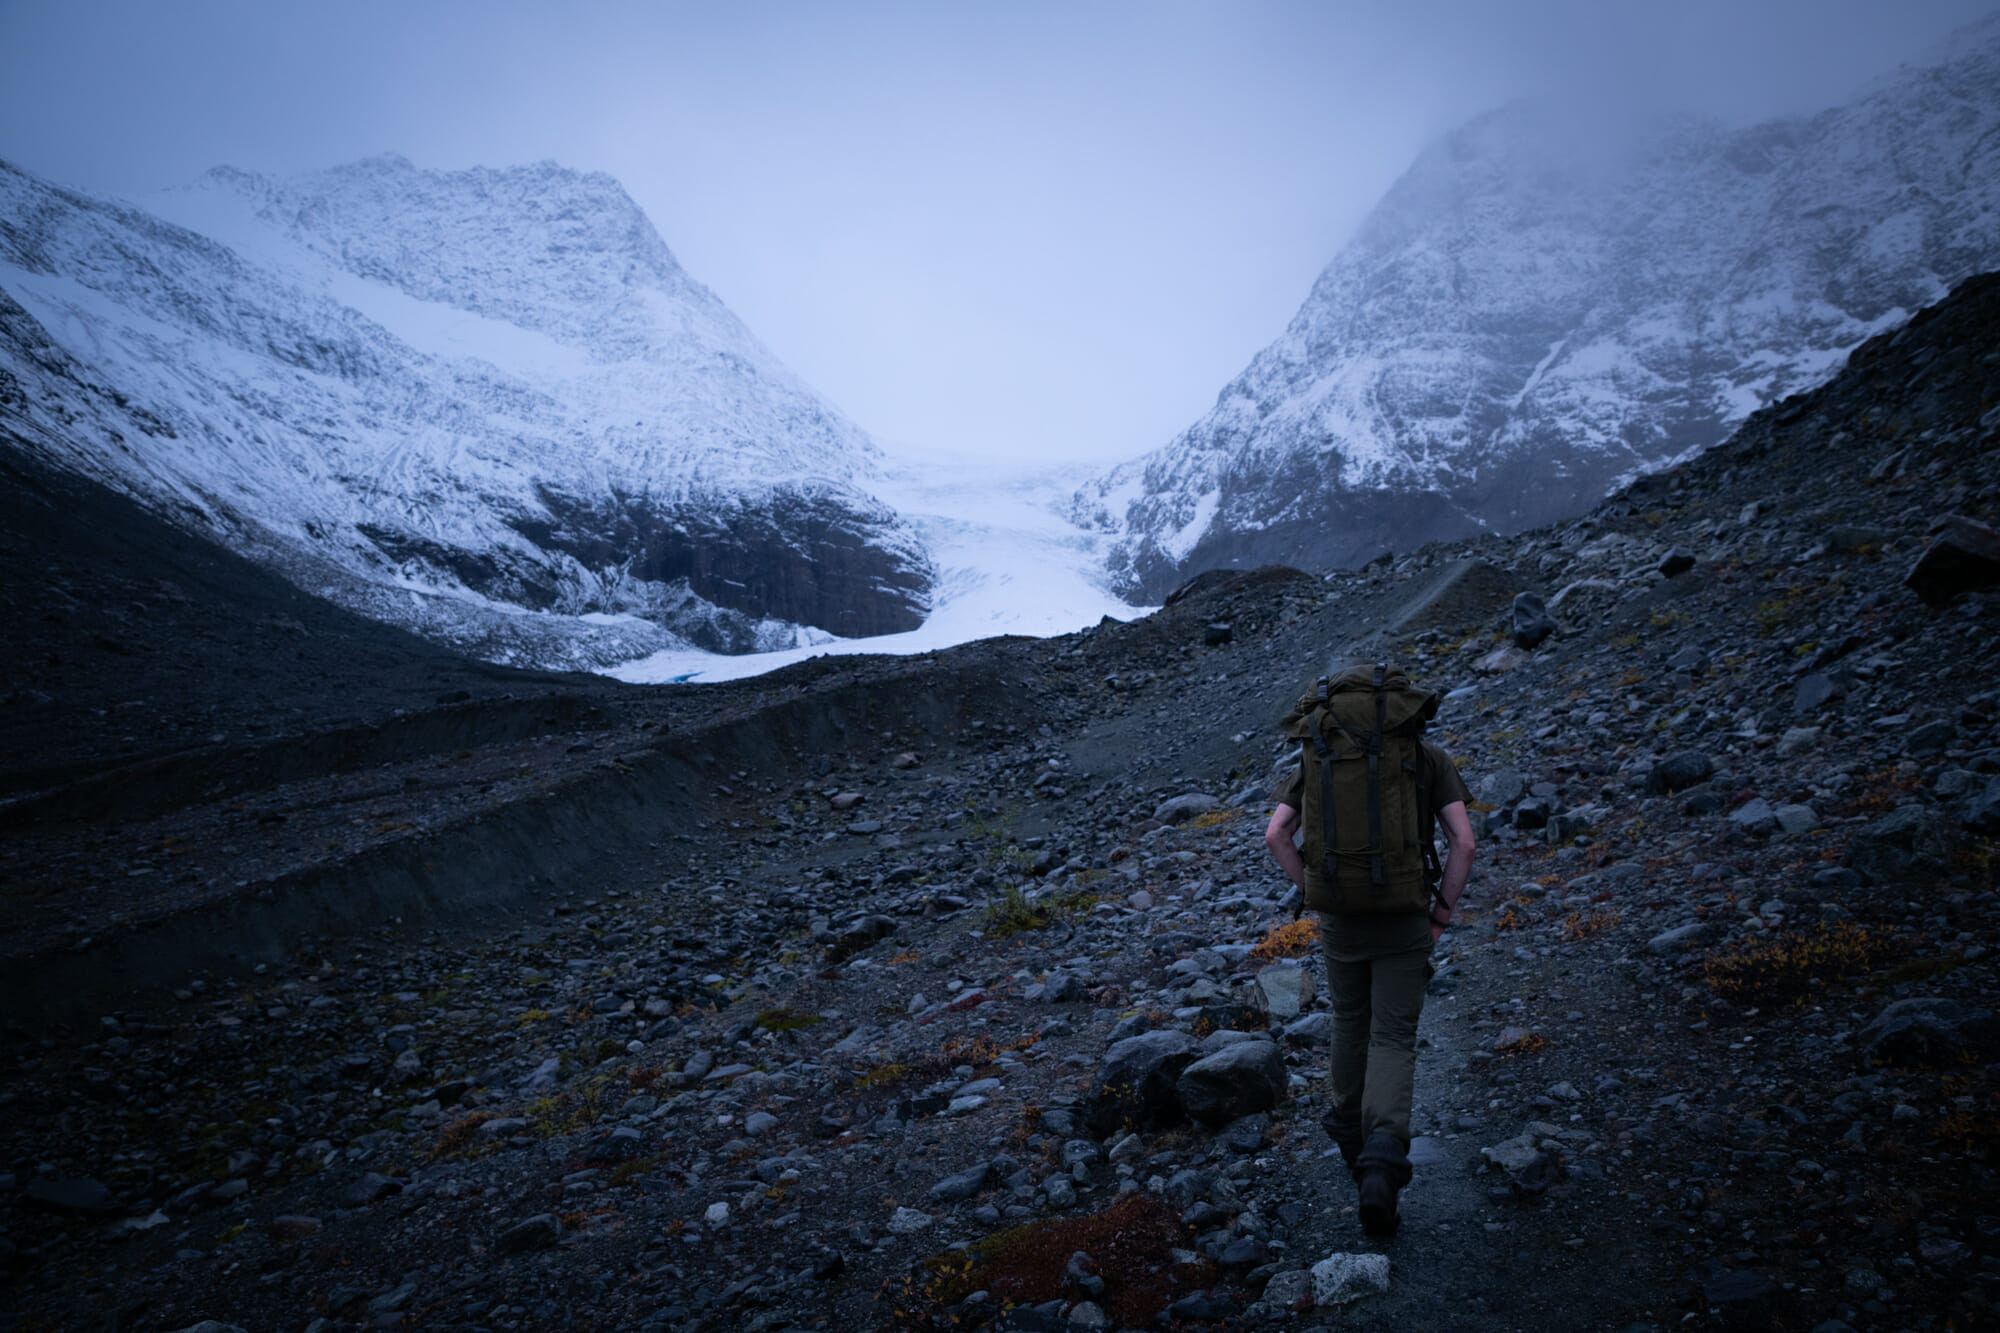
x=1369, y=826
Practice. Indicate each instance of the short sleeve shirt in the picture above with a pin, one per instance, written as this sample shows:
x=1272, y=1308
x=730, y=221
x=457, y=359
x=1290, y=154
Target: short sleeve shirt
x=1354, y=939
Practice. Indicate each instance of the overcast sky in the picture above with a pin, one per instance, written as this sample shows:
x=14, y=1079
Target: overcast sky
x=1037, y=230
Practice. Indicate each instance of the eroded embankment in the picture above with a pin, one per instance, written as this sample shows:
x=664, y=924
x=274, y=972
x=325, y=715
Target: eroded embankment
x=628, y=818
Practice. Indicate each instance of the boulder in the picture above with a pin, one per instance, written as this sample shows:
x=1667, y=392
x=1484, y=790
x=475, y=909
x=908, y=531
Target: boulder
x=1341, y=1278
x=1676, y=562
x=1503, y=786
x=1235, y=1081
x=1501, y=660
x=531, y=1233
x=78, y=1196
x=1135, y=1083
x=1180, y=809
x=1682, y=938
x=1797, y=740
x=1679, y=771
x=1796, y=819
x=963, y=1185
x=1931, y=737
x=1815, y=692
x=1964, y=558
x=1982, y=812
x=1532, y=621
x=1905, y=844
x=1930, y=1032
x=1755, y=816
x=1286, y=987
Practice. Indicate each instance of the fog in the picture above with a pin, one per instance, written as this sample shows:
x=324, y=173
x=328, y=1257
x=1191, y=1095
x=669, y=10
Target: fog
x=1030, y=231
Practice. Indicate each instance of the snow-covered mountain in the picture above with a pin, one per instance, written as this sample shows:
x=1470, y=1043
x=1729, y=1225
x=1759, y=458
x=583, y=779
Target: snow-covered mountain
x=1542, y=304
x=485, y=404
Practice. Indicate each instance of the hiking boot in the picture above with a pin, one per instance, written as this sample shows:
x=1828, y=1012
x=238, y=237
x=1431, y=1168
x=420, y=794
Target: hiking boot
x=1378, y=1203
x=1344, y=1128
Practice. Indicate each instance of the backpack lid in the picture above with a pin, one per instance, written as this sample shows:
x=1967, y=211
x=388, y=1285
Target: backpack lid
x=1403, y=704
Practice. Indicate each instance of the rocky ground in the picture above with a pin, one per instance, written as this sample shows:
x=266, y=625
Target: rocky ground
x=955, y=992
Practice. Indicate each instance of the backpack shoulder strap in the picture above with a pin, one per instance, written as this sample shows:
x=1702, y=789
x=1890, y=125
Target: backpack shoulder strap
x=1375, y=781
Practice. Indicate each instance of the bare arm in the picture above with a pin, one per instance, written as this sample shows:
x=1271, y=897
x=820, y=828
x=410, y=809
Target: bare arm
x=1457, y=863
x=1278, y=837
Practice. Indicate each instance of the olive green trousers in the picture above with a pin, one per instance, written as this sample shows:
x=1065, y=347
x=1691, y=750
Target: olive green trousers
x=1376, y=1005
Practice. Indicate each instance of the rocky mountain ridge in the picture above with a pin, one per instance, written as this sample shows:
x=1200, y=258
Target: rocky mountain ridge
x=1545, y=303
x=486, y=405
x=956, y=991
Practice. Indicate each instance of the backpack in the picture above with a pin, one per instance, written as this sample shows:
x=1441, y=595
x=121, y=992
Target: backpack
x=1369, y=825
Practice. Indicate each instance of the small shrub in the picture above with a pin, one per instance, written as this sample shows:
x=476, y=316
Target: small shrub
x=785, y=1020
x=1013, y=914
x=459, y=1134
x=1791, y=963
x=1130, y=1242
x=1577, y=927
x=1213, y=818
x=1294, y=939
x=1511, y=917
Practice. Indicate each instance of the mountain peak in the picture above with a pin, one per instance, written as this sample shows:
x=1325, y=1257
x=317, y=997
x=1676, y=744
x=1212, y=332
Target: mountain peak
x=1545, y=302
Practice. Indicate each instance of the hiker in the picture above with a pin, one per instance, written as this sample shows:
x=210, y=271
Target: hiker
x=1368, y=793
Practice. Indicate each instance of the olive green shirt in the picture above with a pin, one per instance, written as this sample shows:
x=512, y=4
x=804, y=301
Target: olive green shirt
x=1355, y=939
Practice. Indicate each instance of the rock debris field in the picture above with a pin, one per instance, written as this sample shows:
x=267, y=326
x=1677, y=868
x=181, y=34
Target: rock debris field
x=954, y=992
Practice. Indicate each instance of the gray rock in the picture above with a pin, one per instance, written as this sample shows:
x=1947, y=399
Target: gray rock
x=1689, y=659
x=77, y=1196
x=1797, y=740
x=1676, y=562
x=1060, y=1192
x=1929, y=1032
x=1292, y=1290
x=1679, y=771
x=963, y=1185
x=1964, y=557
x=530, y=1233
x=1311, y=1030
x=1062, y=987
x=1853, y=539
x=1814, y=693
x=1287, y=988
x=1342, y=1278
x=1755, y=816
x=1135, y=1083
x=1693, y=935
x=1931, y=737
x=371, y=1186
x=212, y=1326
x=1503, y=786
x=620, y=1145
x=1905, y=844
x=1955, y=782
x=1235, y=1081
x=1796, y=819
x=1745, y=1299
x=1532, y=621
x=1180, y=809
x=759, y=1123
x=1982, y=812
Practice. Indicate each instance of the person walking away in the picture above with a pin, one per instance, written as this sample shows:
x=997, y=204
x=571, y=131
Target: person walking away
x=1368, y=794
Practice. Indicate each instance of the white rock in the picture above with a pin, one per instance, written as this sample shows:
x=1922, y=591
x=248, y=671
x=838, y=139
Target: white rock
x=717, y=1214
x=1287, y=989
x=1341, y=1278
x=907, y=1222
x=1797, y=739
x=1285, y=1291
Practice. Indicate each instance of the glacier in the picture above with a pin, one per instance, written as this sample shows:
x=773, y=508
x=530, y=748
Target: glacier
x=1542, y=306
x=488, y=405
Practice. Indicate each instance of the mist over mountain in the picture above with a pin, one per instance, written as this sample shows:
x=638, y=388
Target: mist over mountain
x=488, y=405
x=1546, y=302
